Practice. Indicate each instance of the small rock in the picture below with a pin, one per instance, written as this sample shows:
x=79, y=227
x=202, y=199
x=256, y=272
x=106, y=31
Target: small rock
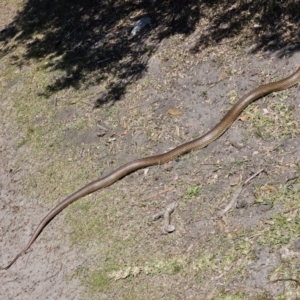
x=168, y=167
x=140, y=24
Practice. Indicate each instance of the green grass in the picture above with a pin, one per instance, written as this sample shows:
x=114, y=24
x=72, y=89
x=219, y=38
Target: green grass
x=275, y=121
x=193, y=191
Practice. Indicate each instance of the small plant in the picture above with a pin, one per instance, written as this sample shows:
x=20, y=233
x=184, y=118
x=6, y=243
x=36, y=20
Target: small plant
x=146, y=82
x=192, y=191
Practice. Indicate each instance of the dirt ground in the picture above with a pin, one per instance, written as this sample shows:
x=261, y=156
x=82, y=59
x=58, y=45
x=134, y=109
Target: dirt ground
x=55, y=107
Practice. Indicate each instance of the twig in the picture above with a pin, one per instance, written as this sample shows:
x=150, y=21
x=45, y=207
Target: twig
x=167, y=227
x=103, y=60
x=286, y=279
x=251, y=177
x=292, y=178
x=233, y=201
x=101, y=126
x=166, y=213
x=168, y=189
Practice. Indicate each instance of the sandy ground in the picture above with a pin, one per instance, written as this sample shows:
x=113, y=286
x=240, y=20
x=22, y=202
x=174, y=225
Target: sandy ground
x=45, y=275
x=45, y=272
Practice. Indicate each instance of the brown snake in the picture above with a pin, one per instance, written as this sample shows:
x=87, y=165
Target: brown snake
x=198, y=143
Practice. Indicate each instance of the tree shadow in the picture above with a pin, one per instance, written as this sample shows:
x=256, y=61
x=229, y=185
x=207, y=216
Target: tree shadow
x=272, y=25
x=90, y=42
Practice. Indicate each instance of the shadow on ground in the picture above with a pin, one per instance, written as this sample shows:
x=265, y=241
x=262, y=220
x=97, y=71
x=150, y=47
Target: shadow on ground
x=91, y=41
x=273, y=24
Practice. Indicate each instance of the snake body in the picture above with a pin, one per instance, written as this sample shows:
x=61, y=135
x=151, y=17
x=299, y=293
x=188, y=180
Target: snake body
x=195, y=144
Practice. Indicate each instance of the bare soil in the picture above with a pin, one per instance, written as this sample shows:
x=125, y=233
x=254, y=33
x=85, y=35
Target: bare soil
x=169, y=88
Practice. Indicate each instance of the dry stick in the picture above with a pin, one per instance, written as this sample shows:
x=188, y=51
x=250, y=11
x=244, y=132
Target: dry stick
x=286, y=279
x=233, y=201
x=251, y=177
x=292, y=178
x=103, y=60
x=166, y=213
x=101, y=126
x=167, y=227
x=168, y=189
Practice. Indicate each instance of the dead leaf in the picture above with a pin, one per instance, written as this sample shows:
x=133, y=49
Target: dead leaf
x=234, y=180
x=244, y=118
x=237, y=230
x=220, y=226
x=174, y=112
x=268, y=188
x=223, y=75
